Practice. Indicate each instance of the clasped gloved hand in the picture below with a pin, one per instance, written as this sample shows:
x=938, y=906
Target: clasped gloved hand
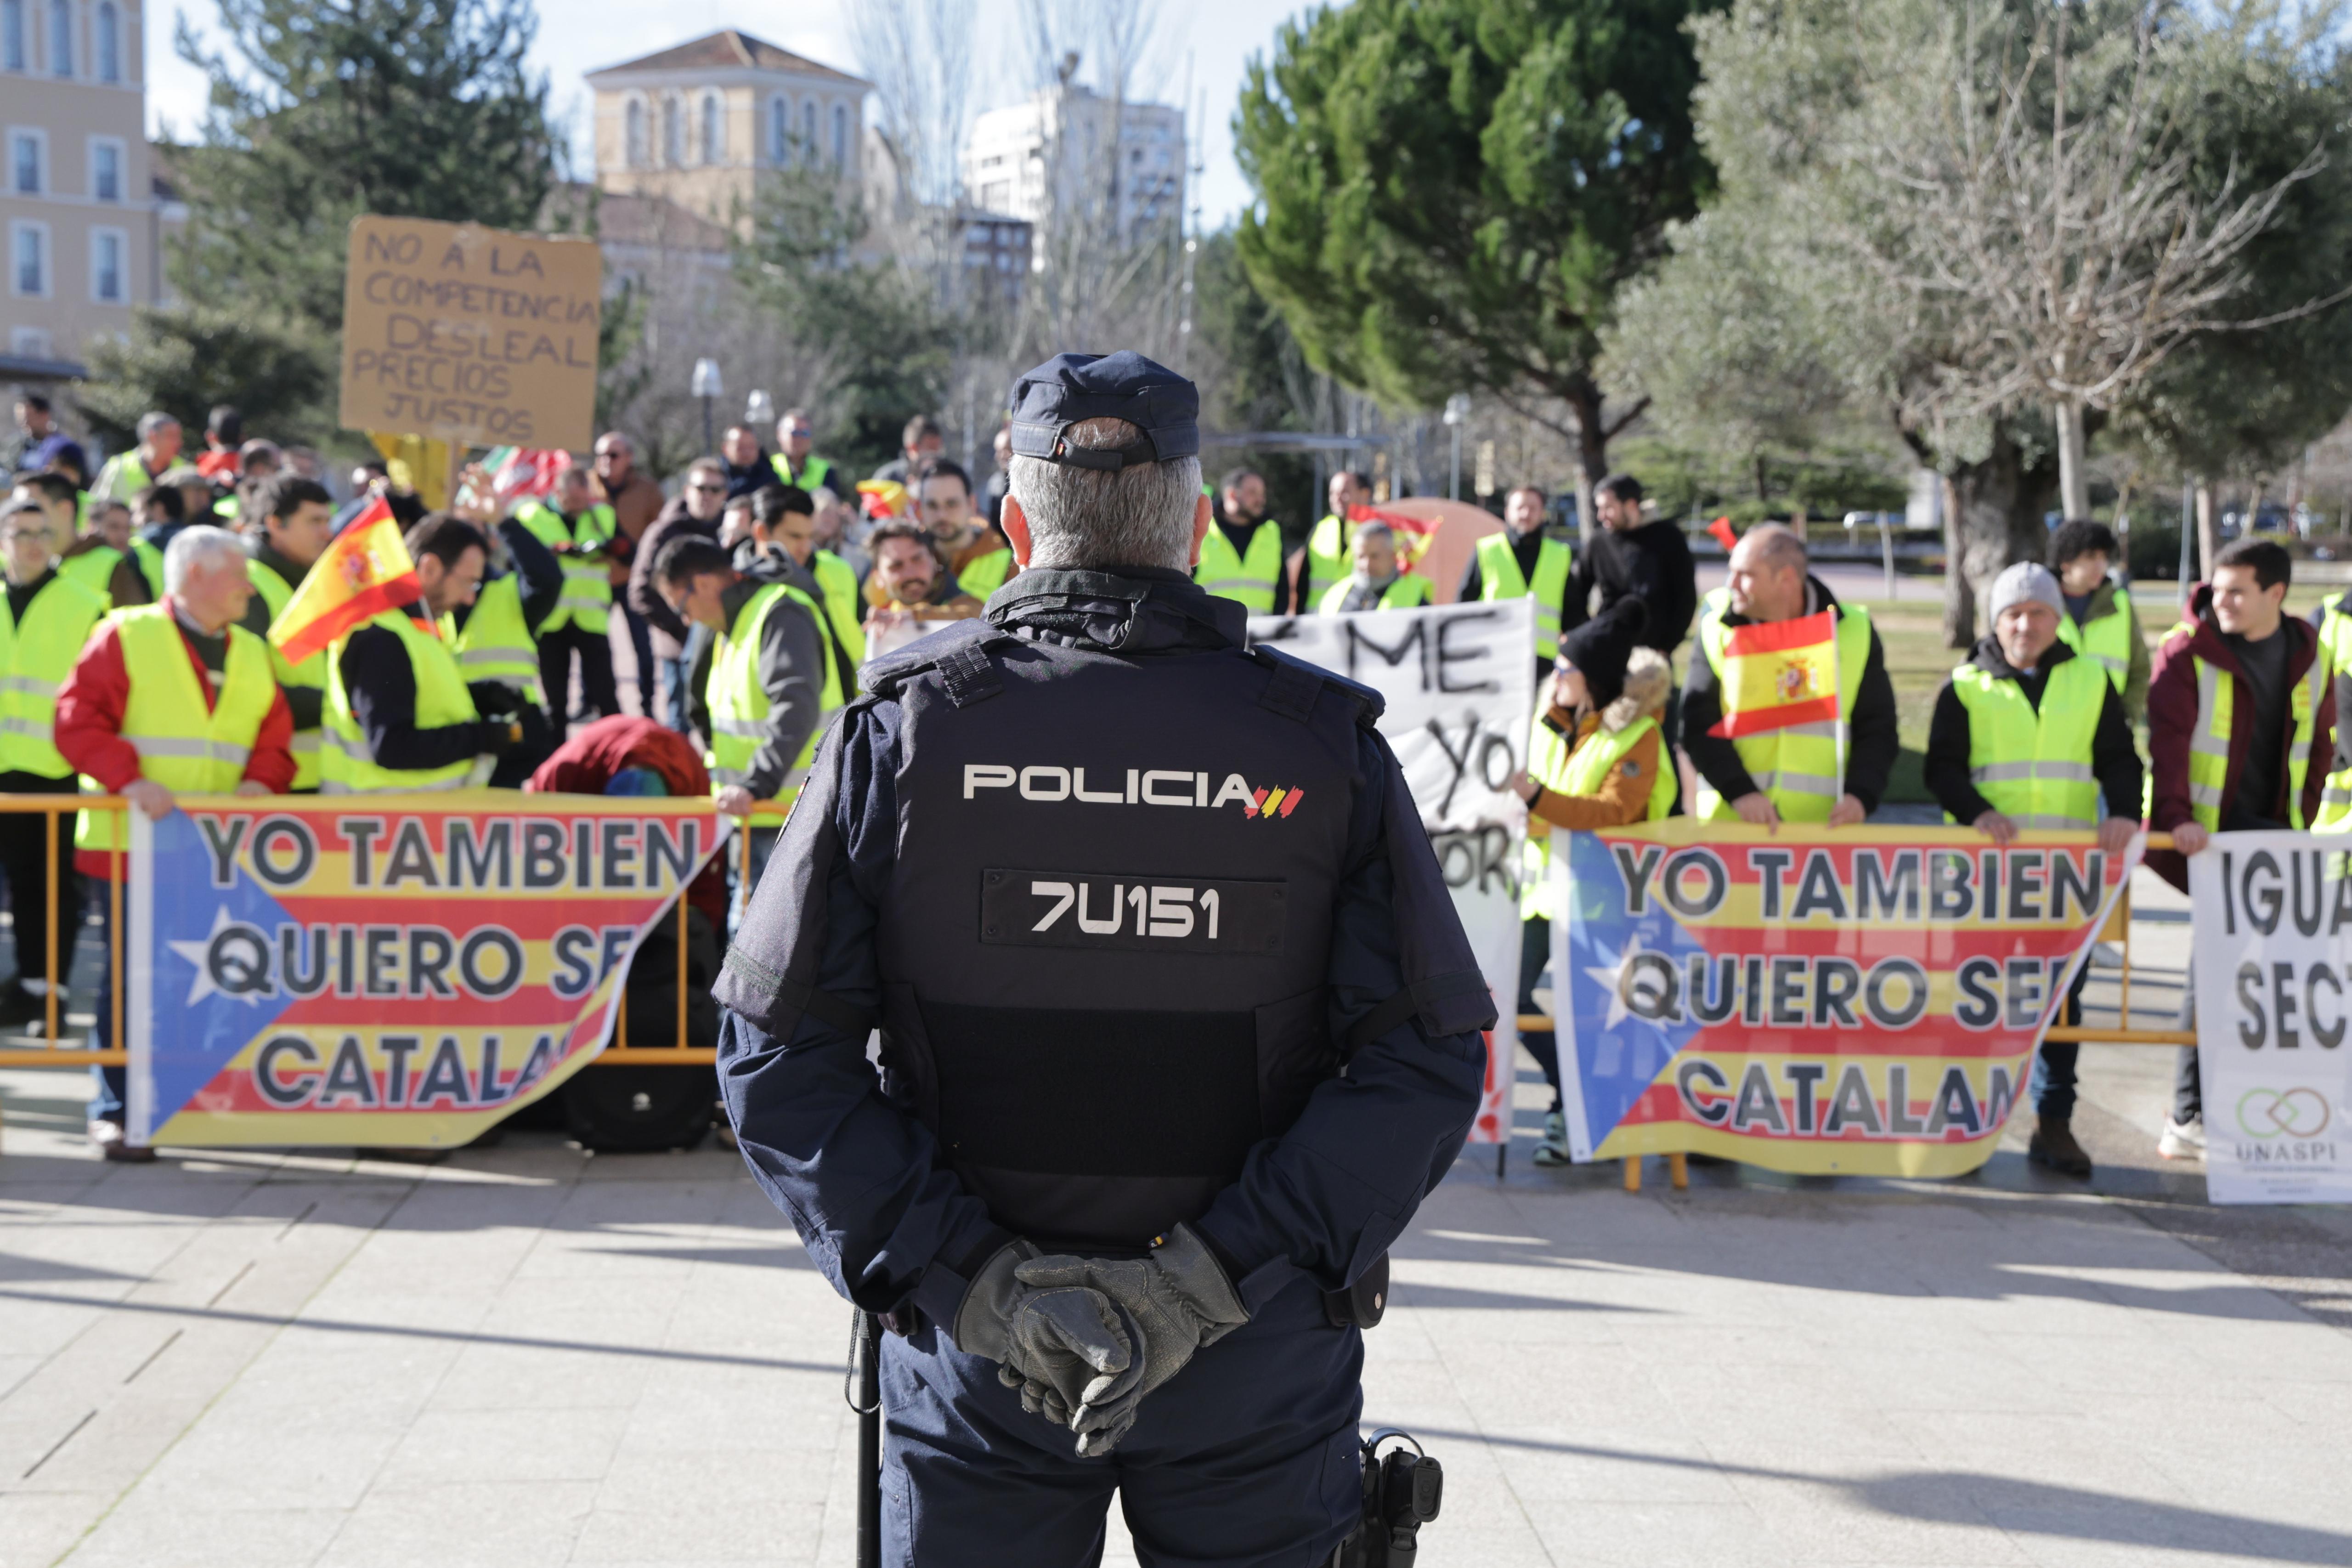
x=1060, y=1345
x=1171, y=1302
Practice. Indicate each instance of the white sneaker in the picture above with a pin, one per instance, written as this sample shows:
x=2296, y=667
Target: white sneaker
x=2182, y=1140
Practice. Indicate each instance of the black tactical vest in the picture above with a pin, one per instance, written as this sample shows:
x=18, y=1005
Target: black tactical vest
x=1104, y=946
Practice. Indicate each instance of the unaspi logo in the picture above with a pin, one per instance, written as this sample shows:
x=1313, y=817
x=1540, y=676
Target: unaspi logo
x=2298, y=1113
x=1141, y=786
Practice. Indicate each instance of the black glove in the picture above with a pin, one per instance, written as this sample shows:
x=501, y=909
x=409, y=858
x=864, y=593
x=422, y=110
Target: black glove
x=1171, y=1303
x=1061, y=1345
x=494, y=699
x=497, y=737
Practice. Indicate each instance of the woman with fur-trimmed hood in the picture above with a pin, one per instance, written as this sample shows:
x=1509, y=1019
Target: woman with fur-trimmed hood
x=1596, y=707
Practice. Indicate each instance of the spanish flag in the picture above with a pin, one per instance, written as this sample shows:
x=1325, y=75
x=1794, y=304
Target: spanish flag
x=1779, y=673
x=365, y=572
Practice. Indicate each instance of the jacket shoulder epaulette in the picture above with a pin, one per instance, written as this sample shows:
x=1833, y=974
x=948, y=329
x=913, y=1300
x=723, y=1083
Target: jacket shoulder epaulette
x=888, y=675
x=1370, y=704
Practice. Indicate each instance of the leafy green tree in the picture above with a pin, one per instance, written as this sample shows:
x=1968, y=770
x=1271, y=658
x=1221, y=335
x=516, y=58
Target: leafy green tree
x=186, y=359
x=1452, y=192
x=322, y=109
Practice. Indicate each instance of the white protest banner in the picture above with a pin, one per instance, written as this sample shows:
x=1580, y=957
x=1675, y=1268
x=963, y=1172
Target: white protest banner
x=2272, y=952
x=1459, y=680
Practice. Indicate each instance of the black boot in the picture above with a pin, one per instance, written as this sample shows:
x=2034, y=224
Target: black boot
x=2054, y=1145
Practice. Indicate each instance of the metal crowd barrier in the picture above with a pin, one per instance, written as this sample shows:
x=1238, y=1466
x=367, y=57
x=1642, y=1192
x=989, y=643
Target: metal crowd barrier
x=55, y=1052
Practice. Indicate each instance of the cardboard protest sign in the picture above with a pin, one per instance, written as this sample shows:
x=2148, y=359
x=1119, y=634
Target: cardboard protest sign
x=2272, y=918
x=456, y=333
x=1459, y=683
x=1859, y=1001
x=383, y=970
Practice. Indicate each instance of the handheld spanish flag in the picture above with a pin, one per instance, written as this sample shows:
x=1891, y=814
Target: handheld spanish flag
x=1720, y=532
x=364, y=573
x=884, y=498
x=1777, y=674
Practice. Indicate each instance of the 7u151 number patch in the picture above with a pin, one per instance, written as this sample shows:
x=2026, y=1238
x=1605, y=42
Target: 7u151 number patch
x=1135, y=913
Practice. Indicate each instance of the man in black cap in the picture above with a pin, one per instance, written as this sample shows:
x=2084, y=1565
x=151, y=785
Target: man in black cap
x=1122, y=897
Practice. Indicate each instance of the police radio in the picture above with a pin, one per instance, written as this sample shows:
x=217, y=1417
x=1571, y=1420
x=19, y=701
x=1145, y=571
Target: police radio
x=1402, y=1493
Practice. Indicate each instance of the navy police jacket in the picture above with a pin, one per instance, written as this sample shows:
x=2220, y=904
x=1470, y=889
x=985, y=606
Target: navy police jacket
x=1151, y=934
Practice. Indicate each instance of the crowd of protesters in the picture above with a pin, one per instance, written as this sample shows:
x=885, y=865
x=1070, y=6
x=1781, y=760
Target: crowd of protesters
x=592, y=616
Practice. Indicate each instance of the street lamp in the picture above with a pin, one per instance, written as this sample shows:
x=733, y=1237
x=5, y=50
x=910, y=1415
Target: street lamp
x=1457, y=415
x=760, y=412
x=707, y=387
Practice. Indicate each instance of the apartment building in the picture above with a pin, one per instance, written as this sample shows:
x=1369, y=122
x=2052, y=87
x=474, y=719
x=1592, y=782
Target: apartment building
x=80, y=216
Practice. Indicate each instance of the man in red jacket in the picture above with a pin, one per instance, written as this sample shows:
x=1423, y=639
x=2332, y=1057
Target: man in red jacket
x=2241, y=727
x=204, y=595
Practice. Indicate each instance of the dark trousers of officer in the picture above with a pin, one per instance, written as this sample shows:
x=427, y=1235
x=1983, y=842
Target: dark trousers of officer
x=24, y=860
x=1247, y=1457
x=598, y=694
x=1535, y=951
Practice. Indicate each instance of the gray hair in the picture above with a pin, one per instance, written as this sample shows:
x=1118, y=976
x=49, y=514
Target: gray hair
x=1098, y=519
x=150, y=423
x=192, y=547
x=1374, y=531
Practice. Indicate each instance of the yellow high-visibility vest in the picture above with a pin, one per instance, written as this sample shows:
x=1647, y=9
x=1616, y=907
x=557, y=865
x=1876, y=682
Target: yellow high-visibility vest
x=2209, y=742
x=985, y=574
x=275, y=591
x=1499, y=578
x=496, y=643
x=183, y=745
x=1407, y=593
x=739, y=703
x=2336, y=658
x=839, y=580
x=1799, y=767
x=35, y=657
x=1250, y=581
x=1326, y=557
x=1582, y=771
x=2034, y=768
x=2105, y=640
x=587, y=599
x=441, y=699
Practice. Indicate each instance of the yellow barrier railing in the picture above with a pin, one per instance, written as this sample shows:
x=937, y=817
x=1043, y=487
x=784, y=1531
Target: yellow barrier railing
x=55, y=1053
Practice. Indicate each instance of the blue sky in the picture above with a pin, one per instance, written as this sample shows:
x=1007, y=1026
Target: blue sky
x=579, y=36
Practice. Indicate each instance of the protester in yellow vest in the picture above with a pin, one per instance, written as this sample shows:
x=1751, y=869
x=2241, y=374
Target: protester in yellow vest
x=1596, y=758
x=1792, y=774
x=1325, y=561
x=2240, y=728
x=1523, y=560
x=496, y=644
x=2334, y=620
x=1241, y=556
x=47, y=619
x=2029, y=735
x=155, y=461
x=975, y=551
x=99, y=560
x=796, y=460
x=292, y=519
x=1374, y=582
x=580, y=531
x=400, y=715
x=171, y=699
x=767, y=683
x=783, y=527
x=2100, y=622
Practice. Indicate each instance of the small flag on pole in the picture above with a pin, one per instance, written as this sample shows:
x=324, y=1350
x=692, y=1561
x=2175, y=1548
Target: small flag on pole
x=1720, y=532
x=364, y=573
x=1777, y=674
x=884, y=498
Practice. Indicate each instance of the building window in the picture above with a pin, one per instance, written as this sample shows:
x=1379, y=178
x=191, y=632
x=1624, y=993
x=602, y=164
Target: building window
x=105, y=169
x=714, y=130
x=28, y=258
x=29, y=158
x=12, y=34
x=32, y=342
x=108, y=247
x=840, y=139
x=808, y=130
x=110, y=43
x=779, y=123
x=673, y=133
x=61, y=38
x=633, y=134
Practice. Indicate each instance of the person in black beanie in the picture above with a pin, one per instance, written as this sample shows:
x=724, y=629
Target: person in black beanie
x=1648, y=584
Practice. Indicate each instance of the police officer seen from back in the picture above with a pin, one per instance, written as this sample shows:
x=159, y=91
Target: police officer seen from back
x=1803, y=772
x=2031, y=734
x=1178, y=1028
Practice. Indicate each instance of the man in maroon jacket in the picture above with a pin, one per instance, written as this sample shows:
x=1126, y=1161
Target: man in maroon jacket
x=2241, y=727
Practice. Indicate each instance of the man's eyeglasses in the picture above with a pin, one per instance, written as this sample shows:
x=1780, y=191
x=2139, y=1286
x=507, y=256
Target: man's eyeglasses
x=707, y=489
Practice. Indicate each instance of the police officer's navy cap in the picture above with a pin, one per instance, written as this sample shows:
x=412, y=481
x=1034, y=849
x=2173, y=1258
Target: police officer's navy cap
x=1069, y=389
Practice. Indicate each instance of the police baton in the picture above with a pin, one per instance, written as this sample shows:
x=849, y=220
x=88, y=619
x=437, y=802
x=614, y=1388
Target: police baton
x=863, y=1389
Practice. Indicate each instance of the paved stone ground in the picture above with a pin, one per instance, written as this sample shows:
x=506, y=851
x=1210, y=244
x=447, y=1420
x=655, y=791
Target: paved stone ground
x=524, y=1355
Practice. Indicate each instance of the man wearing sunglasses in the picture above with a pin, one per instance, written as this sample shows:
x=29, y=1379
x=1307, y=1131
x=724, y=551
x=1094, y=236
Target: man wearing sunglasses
x=695, y=511
x=797, y=464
